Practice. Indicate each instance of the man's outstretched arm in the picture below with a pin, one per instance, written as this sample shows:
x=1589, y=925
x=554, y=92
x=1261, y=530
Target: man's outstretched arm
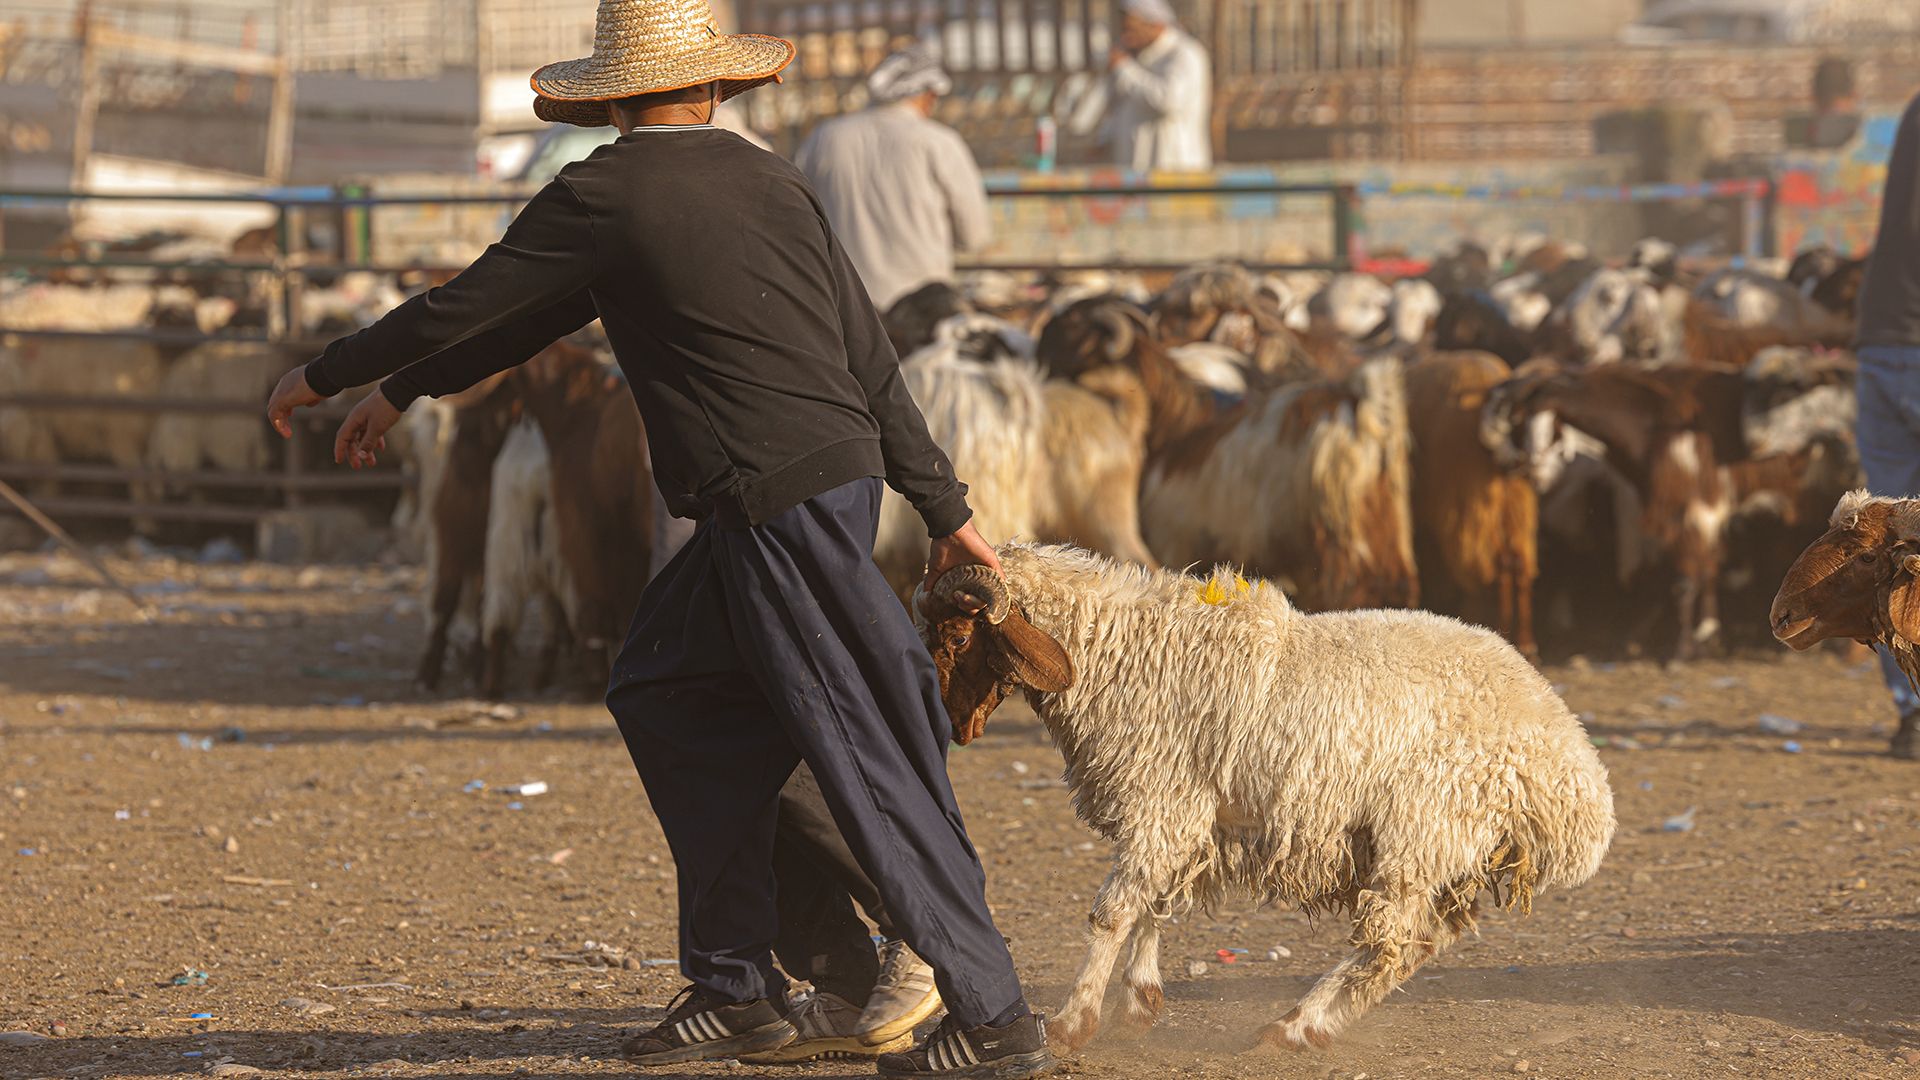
x=545, y=258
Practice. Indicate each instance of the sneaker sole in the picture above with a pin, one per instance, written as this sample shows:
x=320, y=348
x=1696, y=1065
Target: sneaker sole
x=846, y=1048
x=903, y=1026
x=761, y=1039
x=1016, y=1067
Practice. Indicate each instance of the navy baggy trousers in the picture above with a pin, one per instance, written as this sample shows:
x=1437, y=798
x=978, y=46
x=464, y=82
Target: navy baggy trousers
x=757, y=648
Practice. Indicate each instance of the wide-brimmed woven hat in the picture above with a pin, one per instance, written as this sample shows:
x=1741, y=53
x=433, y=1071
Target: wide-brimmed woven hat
x=647, y=47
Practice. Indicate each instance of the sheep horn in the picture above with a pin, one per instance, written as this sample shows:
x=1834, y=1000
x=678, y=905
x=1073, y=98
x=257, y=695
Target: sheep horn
x=1120, y=332
x=975, y=590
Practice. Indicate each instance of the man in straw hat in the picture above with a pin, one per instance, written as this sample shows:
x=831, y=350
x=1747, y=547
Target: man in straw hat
x=901, y=189
x=773, y=404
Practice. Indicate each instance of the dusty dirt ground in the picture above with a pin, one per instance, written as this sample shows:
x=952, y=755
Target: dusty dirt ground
x=245, y=786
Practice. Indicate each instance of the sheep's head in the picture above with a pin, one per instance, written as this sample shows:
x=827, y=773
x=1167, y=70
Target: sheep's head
x=983, y=649
x=1861, y=580
x=1092, y=333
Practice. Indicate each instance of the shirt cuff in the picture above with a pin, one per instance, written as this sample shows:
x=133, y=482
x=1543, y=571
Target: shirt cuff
x=317, y=379
x=401, y=391
x=947, y=515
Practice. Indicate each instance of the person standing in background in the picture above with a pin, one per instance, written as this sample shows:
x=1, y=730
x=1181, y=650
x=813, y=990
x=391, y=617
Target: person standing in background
x=1889, y=380
x=901, y=189
x=1160, y=113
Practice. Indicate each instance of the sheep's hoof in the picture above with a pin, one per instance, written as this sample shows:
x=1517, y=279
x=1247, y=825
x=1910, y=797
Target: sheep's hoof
x=1145, y=1004
x=1068, y=1034
x=1289, y=1033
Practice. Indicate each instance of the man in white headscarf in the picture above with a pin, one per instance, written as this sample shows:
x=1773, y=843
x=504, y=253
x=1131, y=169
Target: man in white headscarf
x=901, y=189
x=1160, y=115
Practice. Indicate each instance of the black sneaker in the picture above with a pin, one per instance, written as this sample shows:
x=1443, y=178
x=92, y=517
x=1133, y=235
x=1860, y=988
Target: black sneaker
x=699, y=1028
x=1013, y=1052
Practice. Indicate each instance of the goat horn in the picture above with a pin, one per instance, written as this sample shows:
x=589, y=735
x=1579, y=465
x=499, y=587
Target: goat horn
x=975, y=590
x=1120, y=332
x=1911, y=564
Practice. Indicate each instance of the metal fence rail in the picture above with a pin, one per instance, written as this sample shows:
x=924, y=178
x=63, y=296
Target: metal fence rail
x=356, y=222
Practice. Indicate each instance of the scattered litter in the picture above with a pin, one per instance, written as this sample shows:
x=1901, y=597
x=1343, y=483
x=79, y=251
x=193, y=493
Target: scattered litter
x=526, y=790
x=659, y=963
x=257, y=882
x=516, y=806
x=1682, y=822
x=1196, y=968
x=474, y=785
x=232, y=735
x=27, y=851
x=188, y=742
x=191, y=1017
x=1230, y=956
x=1646, y=785
x=190, y=977
x=193, y=1053
x=221, y=550
x=1774, y=724
x=123, y=815
x=1790, y=746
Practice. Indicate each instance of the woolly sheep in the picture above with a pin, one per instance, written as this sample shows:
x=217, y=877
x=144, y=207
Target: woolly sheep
x=1390, y=765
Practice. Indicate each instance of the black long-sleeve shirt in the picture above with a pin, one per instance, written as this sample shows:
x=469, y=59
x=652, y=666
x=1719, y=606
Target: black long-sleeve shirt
x=1890, y=295
x=758, y=362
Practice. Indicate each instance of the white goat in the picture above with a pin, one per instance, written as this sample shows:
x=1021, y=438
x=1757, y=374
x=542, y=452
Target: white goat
x=1041, y=458
x=523, y=564
x=1391, y=765
x=1309, y=482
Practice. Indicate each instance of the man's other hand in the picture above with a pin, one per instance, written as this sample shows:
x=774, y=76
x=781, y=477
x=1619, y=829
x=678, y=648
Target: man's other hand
x=292, y=393
x=964, y=548
x=364, y=431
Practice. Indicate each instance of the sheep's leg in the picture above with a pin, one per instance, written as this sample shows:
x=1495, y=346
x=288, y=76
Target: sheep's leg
x=493, y=662
x=1145, y=996
x=1122, y=901
x=1394, y=932
x=1523, y=612
x=559, y=640
x=446, y=600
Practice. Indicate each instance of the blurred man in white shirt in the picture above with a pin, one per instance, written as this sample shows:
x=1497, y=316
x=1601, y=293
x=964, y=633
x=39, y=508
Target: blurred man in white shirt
x=901, y=189
x=1160, y=114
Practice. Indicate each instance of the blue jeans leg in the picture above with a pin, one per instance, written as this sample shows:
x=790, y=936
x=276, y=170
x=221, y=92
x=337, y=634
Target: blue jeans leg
x=1889, y=436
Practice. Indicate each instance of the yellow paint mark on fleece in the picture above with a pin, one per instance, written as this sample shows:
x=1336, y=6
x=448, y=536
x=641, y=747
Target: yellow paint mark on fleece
x=1215, y=593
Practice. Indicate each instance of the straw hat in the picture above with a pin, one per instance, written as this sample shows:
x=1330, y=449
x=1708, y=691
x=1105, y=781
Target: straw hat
x=647, y=47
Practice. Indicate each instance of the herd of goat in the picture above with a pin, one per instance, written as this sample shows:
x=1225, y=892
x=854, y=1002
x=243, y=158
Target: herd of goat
x=1632, y=451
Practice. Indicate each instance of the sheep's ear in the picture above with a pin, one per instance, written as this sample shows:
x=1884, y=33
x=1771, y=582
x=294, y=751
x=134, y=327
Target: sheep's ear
x=1903, y=600
x=1032, y=657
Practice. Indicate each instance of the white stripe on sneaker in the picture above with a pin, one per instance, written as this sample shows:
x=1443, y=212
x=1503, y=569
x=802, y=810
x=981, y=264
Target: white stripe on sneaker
x=715, y=1028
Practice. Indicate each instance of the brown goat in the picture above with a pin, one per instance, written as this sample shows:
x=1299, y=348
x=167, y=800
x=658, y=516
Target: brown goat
x=602, y=489
x=1475, y=522
x=1711, y=340
x=457, y=536
x=1670, y=432
x=1860, y=580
